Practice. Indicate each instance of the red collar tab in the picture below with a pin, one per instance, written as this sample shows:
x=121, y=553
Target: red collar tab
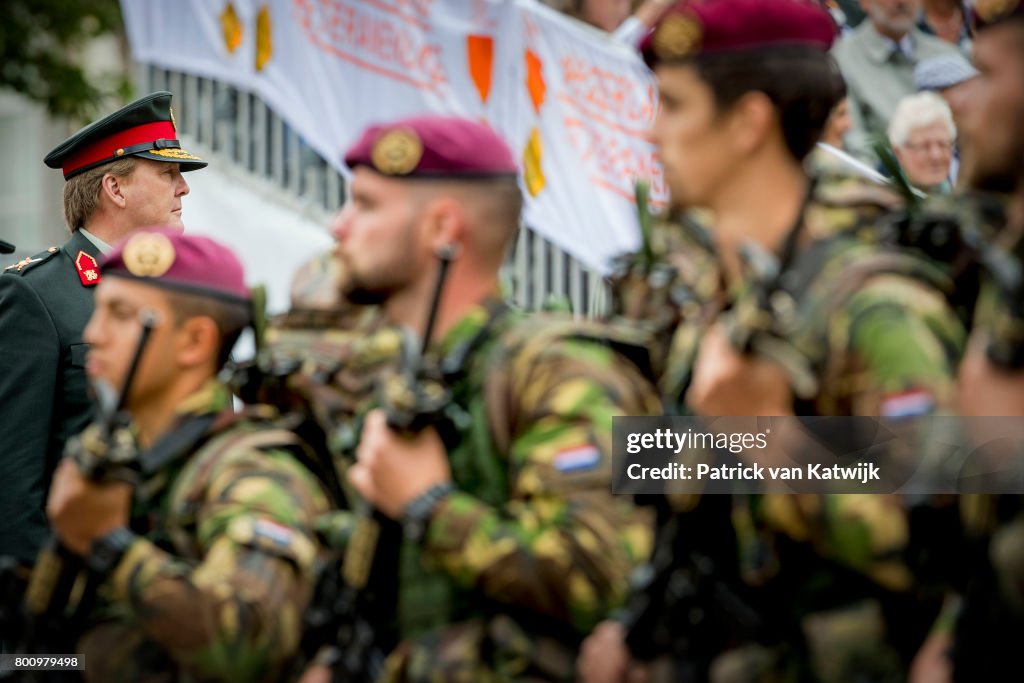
x=88, y=269
x=107, y=148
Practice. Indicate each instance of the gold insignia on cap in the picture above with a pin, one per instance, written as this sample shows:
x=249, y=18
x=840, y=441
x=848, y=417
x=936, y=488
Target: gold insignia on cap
x=677, y=36
x=148, y=254
x=991, y=10
x=174, y=153
x=397, y=152
x=174, y=123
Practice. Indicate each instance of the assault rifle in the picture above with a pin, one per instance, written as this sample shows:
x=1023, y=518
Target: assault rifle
x=354, y=606
x=687, y=604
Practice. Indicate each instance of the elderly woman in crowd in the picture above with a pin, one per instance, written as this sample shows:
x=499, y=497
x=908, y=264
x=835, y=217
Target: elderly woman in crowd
x=922, y=135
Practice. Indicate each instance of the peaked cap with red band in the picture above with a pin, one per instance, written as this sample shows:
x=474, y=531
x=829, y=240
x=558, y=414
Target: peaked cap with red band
x=433, y=147
x=166, y=257
x=691, y=28
x=145, y=128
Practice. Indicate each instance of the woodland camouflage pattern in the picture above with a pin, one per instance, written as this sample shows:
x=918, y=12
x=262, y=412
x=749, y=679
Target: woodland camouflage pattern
x=524, y=559
x=864, y=322
x=677, y=281
x=215, y=586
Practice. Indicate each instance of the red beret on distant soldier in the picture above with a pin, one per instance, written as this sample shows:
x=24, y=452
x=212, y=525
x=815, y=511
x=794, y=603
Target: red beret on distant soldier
x=692, y=28
x=433, y=147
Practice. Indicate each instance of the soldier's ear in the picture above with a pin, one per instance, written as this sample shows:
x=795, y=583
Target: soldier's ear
x=112, y=188
x=446, y=222
x=198, y=342
x=752, y=121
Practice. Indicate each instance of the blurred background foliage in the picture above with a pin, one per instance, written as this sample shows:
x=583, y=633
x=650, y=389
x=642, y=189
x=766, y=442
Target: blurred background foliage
x=41, y=54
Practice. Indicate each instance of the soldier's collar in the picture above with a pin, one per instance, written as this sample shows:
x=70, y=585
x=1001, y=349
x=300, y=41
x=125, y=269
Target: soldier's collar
x=99, y=244
x=212, y=397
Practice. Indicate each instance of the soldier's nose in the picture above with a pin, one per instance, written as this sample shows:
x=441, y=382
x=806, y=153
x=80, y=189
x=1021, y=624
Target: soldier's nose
x=340, y=224
x=90, y=333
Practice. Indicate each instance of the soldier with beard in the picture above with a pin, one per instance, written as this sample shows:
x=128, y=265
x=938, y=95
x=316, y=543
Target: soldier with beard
x=511, y=546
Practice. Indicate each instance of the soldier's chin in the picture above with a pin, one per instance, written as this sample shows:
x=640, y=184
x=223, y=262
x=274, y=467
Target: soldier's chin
x=104, y=394
x=364, y=296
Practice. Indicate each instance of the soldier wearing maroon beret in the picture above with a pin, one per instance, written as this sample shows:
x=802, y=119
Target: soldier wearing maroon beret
x=210, y=547
x=750, y=589
x=122, y=172
x=502, y=543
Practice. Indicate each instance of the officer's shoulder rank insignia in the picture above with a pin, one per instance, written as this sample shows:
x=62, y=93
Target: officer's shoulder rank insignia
x=20, y=265
x=28, y=261
x=397, y=152
x=677, y=37
x=148, y=254
x=88, y=269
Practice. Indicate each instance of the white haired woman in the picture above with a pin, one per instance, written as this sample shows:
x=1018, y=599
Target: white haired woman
x=922, y=135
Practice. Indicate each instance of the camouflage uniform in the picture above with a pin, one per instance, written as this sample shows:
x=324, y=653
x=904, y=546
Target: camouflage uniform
x=532, y=549
x=856, y=324
x=676, y=277
x=318, y=363
x=215, y=585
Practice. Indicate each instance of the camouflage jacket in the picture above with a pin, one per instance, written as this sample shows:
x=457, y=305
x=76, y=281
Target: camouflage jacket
x=842, y=288
x=532, y=549
x=676, y=278
x=863, y=328
x=215, y=583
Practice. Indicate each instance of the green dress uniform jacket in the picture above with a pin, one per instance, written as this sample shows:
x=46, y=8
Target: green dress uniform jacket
x=44, y=307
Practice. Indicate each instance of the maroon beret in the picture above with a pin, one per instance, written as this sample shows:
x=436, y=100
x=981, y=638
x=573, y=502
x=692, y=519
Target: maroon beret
x=989, y=12
x=166, y=257
x=433, y=147
x=691, y=28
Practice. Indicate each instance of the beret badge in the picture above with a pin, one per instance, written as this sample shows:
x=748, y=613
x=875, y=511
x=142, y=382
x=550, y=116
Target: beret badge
x=148, y=254
x=397, y=152
x=676, y=37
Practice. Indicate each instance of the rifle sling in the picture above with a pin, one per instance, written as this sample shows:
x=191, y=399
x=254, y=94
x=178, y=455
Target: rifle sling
x=453, y=364
x=176, y=443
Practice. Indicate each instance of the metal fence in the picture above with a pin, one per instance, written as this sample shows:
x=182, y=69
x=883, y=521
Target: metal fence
x=239, y=128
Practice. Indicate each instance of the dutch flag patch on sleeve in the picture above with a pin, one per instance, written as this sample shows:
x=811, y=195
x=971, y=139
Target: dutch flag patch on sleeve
x=577, y=458
x=907, y=404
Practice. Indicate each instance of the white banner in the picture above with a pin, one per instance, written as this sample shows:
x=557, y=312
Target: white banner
x=572, y=103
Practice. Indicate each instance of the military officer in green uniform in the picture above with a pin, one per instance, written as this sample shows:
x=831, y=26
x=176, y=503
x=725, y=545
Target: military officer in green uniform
x=512, y=545
x=813, y=318
x=206, y=558
x=122, y=172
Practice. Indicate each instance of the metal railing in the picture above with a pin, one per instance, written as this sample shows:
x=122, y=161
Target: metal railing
x=242, y=130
